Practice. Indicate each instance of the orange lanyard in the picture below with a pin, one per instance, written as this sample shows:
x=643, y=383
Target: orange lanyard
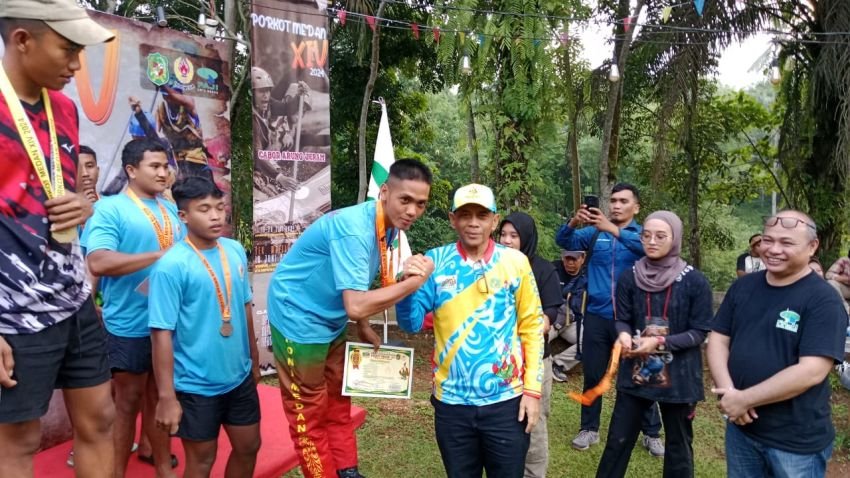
x=223, y=303
x=387, y=277
x=164, y=233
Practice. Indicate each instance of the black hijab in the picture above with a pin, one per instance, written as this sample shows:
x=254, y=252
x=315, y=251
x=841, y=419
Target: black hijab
x=527, y=230
x=548, y=285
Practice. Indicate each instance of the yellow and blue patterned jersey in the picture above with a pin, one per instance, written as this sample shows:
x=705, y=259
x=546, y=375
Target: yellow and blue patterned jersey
x=488, y=325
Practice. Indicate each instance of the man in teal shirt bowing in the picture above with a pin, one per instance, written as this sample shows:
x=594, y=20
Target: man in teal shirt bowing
x=322, y=282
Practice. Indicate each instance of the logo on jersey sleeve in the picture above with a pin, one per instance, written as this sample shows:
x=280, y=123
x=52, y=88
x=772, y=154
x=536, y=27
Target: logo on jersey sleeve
x=446, y=283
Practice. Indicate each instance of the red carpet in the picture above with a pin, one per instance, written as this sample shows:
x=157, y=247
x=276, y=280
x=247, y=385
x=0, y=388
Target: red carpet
x=276, y=457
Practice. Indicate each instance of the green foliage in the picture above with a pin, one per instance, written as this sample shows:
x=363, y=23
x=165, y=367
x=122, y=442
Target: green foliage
x=523, y=93
x=407, y=68
x=241, y=174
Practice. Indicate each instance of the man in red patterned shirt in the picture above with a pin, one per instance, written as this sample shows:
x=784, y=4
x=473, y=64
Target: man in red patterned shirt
x=50, y=336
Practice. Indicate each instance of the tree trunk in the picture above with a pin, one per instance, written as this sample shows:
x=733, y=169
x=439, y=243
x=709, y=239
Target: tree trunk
x=693, y=174
x=826, y=166
x=573, y=160
x=364, y=109
x=472, y=140
x=614, y=148
x=230, y=25
x=613, y=111
x=577, y=103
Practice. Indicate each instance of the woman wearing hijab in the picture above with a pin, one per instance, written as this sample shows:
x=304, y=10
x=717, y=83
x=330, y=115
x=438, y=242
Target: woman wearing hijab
x=518, y=231
x=664, y=312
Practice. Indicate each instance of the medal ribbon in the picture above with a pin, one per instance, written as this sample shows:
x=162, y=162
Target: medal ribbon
x=164, y=233
x=223, y=303
x=387, y=276
x=52, y=181
x=666, y=303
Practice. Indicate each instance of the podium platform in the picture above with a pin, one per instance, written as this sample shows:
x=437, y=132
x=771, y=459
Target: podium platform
x=276, y=457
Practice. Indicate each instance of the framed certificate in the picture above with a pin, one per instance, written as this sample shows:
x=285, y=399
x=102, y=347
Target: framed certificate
x=382, y=374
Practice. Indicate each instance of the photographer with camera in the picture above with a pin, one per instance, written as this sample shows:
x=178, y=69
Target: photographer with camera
x=613, y=242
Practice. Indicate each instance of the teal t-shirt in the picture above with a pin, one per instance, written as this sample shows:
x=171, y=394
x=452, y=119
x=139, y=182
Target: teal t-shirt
x=183, y=299
x=119, y=225
x=337, y=252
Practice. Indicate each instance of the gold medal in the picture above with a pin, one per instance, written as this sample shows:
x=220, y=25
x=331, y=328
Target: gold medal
x=65, y=236
x=226, y=329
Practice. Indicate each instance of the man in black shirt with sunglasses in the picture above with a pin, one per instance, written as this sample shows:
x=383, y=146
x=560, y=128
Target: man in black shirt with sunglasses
x=774, y=340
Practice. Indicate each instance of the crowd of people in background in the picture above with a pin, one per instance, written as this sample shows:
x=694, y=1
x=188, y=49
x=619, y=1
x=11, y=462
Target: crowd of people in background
x=134, y=303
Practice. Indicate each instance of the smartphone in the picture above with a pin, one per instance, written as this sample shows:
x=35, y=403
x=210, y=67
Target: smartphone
x=591, y=201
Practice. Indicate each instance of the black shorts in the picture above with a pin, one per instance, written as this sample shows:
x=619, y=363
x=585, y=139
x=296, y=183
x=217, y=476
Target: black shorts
x=70, y=354
x=203, y=416
x=129, y=354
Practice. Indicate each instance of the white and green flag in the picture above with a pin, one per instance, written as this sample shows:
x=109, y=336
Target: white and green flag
x=384, y=155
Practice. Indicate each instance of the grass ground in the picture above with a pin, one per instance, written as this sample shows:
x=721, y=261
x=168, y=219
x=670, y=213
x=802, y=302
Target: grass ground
x=398, y=436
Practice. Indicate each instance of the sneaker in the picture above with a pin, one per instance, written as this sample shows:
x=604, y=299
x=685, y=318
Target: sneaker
x=654, y=445
x=349, y=473
x=558, y=373
x=584, y=439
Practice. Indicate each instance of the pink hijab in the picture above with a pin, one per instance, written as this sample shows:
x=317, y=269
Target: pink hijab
x=655, y=275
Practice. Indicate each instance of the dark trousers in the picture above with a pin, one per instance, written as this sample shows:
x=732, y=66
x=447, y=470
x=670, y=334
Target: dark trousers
x=598, y=338
x=476, y=438
x=625, y=427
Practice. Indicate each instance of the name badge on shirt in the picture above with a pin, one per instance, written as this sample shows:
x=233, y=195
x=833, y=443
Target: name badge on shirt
x=788, y=320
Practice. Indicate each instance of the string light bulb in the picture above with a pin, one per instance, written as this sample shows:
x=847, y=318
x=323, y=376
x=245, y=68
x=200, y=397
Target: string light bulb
x=211, y=28
x=160, y=17
x=614, y=74
x=775, y=74
x=465, y=67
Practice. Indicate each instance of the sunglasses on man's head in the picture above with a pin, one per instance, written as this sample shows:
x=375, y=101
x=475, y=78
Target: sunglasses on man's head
x=786, y=222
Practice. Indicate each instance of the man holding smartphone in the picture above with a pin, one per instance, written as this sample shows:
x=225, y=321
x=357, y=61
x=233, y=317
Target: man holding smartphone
x=613, y=245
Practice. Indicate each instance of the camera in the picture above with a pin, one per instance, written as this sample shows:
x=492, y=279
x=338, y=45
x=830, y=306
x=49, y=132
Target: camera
x=591, y=201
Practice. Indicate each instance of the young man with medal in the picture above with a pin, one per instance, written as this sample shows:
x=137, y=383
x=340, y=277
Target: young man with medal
x=126, y=235
x=488, y=356
x=50, y=336
x=204, y=349
x=321, y=283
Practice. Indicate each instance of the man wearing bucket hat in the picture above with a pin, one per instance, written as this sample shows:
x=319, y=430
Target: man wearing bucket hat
x=50, y=336
x=488, y=329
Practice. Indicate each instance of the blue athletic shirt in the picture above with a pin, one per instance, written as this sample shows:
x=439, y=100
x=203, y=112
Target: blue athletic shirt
x=119, y=225
x=183, y=299
x=336, y=253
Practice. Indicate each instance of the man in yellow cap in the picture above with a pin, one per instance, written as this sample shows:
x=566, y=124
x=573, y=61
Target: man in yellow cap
x=50, y=336
x=488, y=355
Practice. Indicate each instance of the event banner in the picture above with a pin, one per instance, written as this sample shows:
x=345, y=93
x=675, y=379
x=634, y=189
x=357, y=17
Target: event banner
x=292, y=141
x=158, y=83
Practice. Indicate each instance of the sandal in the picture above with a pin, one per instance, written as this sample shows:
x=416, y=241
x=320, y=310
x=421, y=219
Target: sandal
x=149, y=460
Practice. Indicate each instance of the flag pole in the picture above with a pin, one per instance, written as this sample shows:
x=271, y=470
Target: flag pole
x=386, y=326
